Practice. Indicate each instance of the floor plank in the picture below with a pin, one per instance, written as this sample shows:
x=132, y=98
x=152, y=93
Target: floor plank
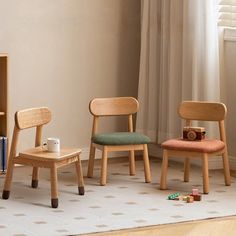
x=216, y=227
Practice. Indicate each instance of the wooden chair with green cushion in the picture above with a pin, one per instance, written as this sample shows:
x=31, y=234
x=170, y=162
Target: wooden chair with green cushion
x=117, y=141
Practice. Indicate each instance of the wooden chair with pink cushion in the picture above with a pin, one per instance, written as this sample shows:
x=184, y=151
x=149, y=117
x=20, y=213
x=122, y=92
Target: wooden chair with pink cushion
x=201, y=111
x=39, y=157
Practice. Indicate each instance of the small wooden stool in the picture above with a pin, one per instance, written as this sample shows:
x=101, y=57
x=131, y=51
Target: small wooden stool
x=39, y=156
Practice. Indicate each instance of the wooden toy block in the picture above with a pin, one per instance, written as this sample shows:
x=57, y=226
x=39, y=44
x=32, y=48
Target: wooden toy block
x=197, y=197
x=195, y=191
x=185, y=198
x=190, y=199
x=173, y=196
x=179, y=198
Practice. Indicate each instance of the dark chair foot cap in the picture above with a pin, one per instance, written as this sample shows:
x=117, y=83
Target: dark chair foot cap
x=81, y=190
x=34, y=183
x=54, y=202
x=5, y=194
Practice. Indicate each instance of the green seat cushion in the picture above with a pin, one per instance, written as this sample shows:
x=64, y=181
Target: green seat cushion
x=120, y=138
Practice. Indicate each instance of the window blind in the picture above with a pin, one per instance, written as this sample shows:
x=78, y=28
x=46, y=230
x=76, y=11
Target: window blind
x=227, y=13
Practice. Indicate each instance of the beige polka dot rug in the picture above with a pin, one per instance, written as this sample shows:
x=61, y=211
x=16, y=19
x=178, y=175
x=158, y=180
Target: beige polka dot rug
x=125, y=202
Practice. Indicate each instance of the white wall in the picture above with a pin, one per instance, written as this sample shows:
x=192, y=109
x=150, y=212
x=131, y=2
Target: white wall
x=63, y=53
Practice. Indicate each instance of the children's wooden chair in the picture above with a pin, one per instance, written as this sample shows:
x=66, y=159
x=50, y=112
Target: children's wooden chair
x=202, y=111
x=118, y=141
x=39, y=156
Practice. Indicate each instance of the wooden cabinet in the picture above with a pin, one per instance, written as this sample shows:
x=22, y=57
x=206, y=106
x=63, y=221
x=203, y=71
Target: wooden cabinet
x=3, y=94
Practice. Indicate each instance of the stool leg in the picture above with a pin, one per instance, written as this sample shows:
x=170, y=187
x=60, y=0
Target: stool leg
x=131, y=163
x=80, y=177
x=35, y=177
x=146, y=164
x=54, y=191
x=186, y=169
x=91, y=161
x=103, y=179
x=205, y=173
x=164, y=169
x=226, y=168
x=8, y=180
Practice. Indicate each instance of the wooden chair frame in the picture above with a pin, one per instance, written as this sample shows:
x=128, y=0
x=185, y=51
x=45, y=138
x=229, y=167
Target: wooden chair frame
x=37, y=117
x=118, y=106
x=202, y=111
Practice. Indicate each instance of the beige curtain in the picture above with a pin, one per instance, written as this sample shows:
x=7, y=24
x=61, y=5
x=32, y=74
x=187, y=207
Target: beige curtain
x=179, y=61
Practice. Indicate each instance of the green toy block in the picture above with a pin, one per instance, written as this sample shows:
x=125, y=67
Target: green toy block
x=173, y=196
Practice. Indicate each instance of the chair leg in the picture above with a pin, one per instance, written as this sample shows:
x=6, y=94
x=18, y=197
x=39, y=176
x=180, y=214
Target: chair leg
x=8, y=180
x=186, y=169
x=147, y=171
x=205, y=173
x=164, y=169
x=80, y=177
x=226, y=168
x=103, y=179
x=132, y=163
x=35, y=177
x=91, y=161
x=54, y=191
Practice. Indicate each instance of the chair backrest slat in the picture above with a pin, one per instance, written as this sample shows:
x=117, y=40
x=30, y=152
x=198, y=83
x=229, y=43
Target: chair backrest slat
x=202, y=111
x=33, y=117
x=113, y=106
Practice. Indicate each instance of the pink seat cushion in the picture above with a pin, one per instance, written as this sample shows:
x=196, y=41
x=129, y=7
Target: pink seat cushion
x=206, y=145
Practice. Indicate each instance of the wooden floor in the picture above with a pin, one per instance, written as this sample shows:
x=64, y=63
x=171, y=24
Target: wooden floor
x=214, y=227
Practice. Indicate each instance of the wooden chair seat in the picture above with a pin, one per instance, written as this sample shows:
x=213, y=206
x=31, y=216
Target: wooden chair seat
x=205, y=146
x=120, y=138
x=39, y=157
x=41, y=154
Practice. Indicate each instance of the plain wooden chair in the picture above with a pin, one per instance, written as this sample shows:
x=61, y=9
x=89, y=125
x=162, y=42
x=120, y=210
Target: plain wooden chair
x=202, y=111
x=39, y=156
x=118, y=141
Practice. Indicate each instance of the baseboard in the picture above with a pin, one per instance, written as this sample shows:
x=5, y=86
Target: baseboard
x=215, y=162
x=85, y=154
x=232, y=161
x=156, y=152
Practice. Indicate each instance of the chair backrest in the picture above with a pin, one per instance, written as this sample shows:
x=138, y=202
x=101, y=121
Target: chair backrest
x=29, y=118
x=32, y=117
x=203, y=111
x=115, y=106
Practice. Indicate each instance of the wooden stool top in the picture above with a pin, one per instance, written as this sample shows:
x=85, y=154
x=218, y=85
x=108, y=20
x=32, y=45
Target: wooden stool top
x=41, y=153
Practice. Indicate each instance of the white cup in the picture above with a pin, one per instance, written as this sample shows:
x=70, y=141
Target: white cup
x=53, y=144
